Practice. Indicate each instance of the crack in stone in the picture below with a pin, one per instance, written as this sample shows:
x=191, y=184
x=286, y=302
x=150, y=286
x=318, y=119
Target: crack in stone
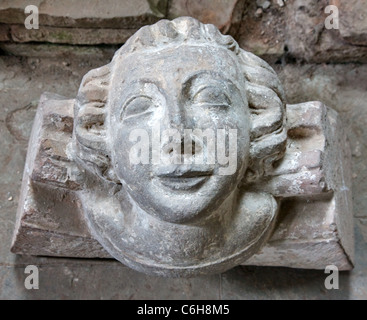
x=10, y=121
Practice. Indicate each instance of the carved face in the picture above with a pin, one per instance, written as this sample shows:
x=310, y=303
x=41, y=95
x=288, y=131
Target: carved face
x=161, y=97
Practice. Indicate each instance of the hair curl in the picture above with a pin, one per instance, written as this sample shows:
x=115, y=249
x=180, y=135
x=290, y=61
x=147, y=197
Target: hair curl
x=263, y=90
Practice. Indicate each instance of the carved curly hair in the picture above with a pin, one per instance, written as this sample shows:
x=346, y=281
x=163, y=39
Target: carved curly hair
x=263, y=90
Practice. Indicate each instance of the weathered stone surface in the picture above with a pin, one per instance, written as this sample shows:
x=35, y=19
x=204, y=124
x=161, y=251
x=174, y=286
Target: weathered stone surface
x=190, y=207
x=103, y=281
x=20, y=130
x=4, y=32
x=293, y=28
x=297, y=30
x=308, y=39
x=353, y=21
x=263, y=33
x=362, y=224
x=223, y=14
x=299, y=241
x=111, y=22
x=48, y=161
x=309, y=241
x=70, y=35
x=284, y=283
x=22, y=81
x=76, y=14
x=57, y=51
x=234, y=214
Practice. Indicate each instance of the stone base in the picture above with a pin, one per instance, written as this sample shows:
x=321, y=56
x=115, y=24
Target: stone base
x=314, y=229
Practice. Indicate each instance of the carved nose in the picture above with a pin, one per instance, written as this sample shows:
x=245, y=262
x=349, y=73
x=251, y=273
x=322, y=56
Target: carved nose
x=175, y=116
x=179, y=120
x=177, y=144
x=187, y=147
x=181, y=148
x=175, y=120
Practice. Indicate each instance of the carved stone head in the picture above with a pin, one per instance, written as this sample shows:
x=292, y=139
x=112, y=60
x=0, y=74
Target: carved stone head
x=171, y=135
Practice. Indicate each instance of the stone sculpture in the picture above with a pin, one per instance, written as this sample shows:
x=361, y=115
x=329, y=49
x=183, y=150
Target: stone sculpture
x=177, y=157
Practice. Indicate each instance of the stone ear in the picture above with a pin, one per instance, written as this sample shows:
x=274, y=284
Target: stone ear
x=267, y=113
x=89, y=123
x=263, y=153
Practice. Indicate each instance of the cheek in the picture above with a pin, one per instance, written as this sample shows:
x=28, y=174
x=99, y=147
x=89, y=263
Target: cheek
x=241, y=122
x=120, y=150
x=132, y=173
x=215, y=119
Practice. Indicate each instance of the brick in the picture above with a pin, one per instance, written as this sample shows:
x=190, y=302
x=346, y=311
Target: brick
x=78, y=36
x=76, y=14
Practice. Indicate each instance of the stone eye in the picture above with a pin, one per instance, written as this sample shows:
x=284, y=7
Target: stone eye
x=212, y=96
x=137, y=106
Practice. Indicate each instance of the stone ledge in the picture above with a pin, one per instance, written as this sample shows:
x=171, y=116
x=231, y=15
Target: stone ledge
x=76, y=14
x=295, y=30
x=57, y=51
x=77, y=36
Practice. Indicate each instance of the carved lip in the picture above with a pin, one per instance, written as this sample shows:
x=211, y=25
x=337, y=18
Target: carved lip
x=183, y=177
x=183, y=183
x=184, y=171
x=185, y=174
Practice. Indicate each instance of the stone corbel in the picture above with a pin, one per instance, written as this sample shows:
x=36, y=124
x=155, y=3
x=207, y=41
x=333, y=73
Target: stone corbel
x=287, y=201
x=314, y=228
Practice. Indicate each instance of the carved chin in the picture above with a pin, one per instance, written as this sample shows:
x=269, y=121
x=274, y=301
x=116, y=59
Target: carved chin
x=157, y=247
x=183, y=200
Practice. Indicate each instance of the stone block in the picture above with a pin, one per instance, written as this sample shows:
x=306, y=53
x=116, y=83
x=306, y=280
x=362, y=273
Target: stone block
x=263, y=32
x=111, y=22
x=56, y=51
x=308, y=39
x=77, y=36
x=4, y=32
x=223, y=14
x=353, y=21
x=77, y=14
